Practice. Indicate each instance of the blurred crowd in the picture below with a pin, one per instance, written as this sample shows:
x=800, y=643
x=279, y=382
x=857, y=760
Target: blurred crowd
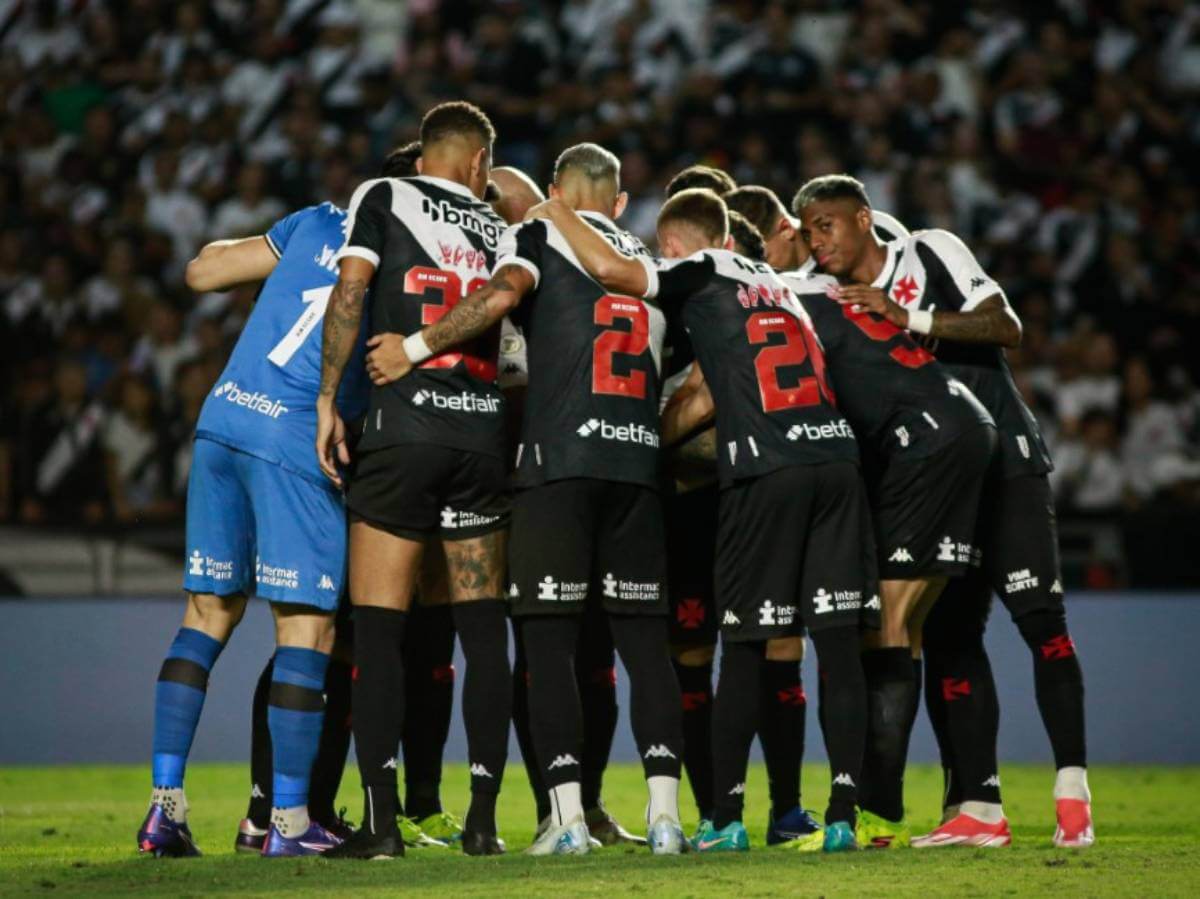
x=1059, y=139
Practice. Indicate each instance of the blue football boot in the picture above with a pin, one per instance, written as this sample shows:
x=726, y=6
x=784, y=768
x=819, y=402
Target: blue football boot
x=314, y=841
x=795, y=824
x=164, y=838
x=839, y=837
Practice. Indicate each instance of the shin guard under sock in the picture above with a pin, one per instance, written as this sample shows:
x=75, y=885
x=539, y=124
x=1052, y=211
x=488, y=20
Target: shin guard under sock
x=735, y=720
x=378, y=697
x=696, y=693
x=844, y=716
x=891, y=710
x=781, y=732
x=482, y=627
x=429, y=706
x=178, y=701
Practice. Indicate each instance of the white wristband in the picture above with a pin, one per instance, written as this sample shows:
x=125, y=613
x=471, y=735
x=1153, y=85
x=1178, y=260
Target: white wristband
x=416, y=349
x=920, y=321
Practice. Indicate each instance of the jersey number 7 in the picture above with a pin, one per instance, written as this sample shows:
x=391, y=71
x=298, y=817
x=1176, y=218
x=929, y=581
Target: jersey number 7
x=799, y=345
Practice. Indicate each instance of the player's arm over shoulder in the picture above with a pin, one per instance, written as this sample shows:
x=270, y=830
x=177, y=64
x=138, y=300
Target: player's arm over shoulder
x=628, y=275
x=224, y=264
x=984, y=315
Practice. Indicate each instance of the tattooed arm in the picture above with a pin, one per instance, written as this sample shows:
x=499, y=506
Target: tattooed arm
x=343, y=318
x=992, y=321
x=388, y=360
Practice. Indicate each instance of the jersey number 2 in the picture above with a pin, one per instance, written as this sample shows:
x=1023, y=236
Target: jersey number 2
x=799, y=345
x=616, y=340
x=421, y=279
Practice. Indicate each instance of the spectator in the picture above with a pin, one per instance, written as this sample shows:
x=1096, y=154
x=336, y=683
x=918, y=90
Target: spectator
x=164, y=346
x=1153, y=429
x=251, y=211
x=137, y=462
x=1088, y=476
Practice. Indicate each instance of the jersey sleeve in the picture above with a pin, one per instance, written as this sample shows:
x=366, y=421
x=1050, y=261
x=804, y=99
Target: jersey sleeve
x=887, y=227
x=672, y=282
x=522, y=245
x=973, y=284
x=514, y=358
x=281, y=232
x=366, y=221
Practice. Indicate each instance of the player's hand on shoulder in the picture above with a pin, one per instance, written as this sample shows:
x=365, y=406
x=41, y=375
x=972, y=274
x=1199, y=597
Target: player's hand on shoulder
x=544, y=210
x=387, y=361
x=331, y=440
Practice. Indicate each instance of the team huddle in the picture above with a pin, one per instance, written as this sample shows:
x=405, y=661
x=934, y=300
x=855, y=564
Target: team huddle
x=786, y=424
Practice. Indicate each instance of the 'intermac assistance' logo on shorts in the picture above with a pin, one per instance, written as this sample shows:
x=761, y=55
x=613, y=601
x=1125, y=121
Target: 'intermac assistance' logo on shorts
x=255, y=402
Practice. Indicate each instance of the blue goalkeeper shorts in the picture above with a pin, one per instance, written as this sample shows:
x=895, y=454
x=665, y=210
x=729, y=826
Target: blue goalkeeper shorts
x=256, y=528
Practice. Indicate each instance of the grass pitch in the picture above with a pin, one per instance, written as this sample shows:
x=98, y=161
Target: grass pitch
x=71, y=830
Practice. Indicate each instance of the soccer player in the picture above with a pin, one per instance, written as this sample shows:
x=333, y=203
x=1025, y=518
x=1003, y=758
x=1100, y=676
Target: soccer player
x=792, y=507
x=587, y=510
x=933, y=270
x=926, y=445
x=261, y=519
x=430, y=465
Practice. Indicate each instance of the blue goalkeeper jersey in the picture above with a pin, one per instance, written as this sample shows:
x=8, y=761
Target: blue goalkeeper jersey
x=264, y=403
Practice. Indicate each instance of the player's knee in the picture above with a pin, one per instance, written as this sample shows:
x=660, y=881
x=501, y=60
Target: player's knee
x=694, y=656
x=785, y=649
x=1045, y=633
x=214, y=615
x=304, y=628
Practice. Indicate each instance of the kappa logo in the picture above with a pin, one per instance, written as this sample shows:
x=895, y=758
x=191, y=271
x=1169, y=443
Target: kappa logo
x=1057, y=586
x=629, y=433
x=610, y=586
x=257, y=793
x=255, y=402
x=478, y=770
x=902, y=435
x=993, y=781
x=843, y=779
x=659, y=751
x=901, y=555
x=325, y=583
x=738, y=789
x=390, y=763
x=730, y=619
x=514, y=592
x=458, y=402
x=828, y=431
x=196, y=563
x=873, y=603
x=561, y=761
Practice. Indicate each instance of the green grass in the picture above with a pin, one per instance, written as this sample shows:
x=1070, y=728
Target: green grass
x=72, y=830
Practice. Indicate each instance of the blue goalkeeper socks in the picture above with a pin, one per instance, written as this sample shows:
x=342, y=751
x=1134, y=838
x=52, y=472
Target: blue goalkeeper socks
x=178, y=701
x=295, y=714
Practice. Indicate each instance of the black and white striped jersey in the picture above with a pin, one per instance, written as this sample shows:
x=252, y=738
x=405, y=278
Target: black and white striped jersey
x=901, y=402
x=934, y=270
x=591, y=406
x=432, y=243
x=762, y=361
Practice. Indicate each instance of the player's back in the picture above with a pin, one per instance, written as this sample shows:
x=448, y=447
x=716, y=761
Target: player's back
x=591, y=409
x=762, y=361
x=898, y=398
x=264, y=403
x=433, y=242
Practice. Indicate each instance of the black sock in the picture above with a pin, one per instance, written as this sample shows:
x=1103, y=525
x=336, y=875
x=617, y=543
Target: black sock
x=781, y=732
x=378, y=698
x=654, y=704
x=1058, y=681
x=429, y=705
x=556, y=719
x=261, y=769
x=935, y=706
x=735, y=720
x=482, y=627
x=523, y=728
x=596, y=678
x=966, y=692
x=334, y=746
x=892, y=699
x=844, y=698
x=696, y=693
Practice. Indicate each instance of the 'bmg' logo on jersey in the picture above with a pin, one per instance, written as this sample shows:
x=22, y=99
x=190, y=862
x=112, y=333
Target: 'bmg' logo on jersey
x=255, y=402
x=468, y=220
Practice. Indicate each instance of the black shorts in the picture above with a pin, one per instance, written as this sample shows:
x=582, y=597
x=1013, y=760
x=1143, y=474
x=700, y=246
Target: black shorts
x=581, y=538
x=790, y=552
x=926, y=510
x=418, y=491
x=691, y=546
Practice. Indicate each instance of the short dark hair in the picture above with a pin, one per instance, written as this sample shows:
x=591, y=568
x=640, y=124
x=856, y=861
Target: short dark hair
x=402, y=161
x=699, y=207
x=747, y=238
x=492, y=193
x=590, y=160
x=716, y=180
x=760, y=205
x=454, y=119
x=830, y=187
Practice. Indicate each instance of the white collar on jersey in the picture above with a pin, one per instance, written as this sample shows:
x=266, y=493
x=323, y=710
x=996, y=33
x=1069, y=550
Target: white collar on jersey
x=590, y=213
x=446, y=184
x=889, y=265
